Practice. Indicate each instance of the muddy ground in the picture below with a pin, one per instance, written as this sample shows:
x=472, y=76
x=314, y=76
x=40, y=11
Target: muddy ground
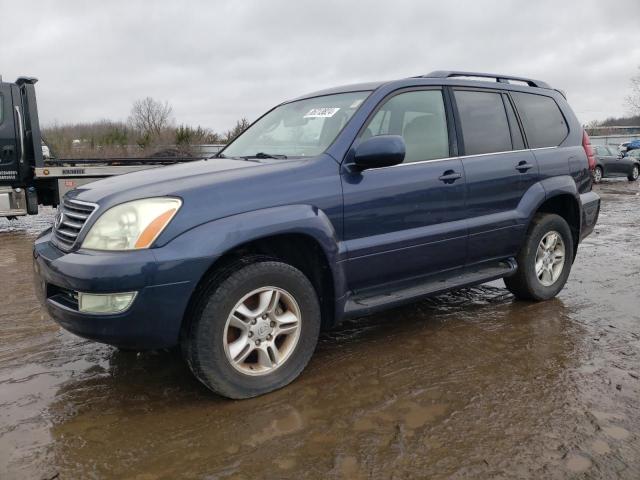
x=467, y=385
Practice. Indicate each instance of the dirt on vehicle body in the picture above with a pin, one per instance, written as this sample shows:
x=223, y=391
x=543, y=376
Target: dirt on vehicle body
x=468, y=384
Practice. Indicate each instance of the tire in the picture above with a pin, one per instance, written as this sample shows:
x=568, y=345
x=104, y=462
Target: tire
x=525, y=284
x=211, y=335
x=635, y=173
x=597, y=174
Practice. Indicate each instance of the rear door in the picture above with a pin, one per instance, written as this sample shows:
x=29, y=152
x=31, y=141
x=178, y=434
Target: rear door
x=498, y=171
x=407, y=220
x=8, y=147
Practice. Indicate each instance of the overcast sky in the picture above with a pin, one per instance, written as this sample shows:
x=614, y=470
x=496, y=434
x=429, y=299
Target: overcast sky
x=216, y=61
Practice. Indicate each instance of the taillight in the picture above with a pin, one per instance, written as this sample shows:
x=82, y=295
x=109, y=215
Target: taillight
x=586, y=144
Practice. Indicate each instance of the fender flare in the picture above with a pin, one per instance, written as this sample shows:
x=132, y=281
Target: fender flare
x=545, y=190
x=213, y=239
x=548, y=189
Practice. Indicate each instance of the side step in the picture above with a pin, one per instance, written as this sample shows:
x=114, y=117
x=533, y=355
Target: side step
x=380, y=298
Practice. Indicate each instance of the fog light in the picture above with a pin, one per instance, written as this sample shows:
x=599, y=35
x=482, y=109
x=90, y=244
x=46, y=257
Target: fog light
x=105, y=303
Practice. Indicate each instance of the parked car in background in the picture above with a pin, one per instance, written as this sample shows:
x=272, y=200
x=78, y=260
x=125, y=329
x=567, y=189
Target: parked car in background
x=635, y=154
x=335, y=204
x=627, y=146
x=610, y=163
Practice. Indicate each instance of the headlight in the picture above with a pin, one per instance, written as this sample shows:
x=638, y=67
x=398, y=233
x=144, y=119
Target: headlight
x=132, y=225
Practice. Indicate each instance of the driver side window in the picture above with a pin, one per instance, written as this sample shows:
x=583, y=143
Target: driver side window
x=419, y=117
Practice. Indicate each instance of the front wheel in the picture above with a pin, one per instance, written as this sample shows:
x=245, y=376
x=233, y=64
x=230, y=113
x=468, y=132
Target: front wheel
x=254, y=330
x=635, y=173
x=597, y=175
x=544, y=262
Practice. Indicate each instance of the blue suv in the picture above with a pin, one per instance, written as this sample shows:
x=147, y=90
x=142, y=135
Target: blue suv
x=336, y=204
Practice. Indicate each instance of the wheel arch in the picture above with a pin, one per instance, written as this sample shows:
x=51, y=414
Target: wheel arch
x=566, y=206
x=558, y=195
x=299, y=235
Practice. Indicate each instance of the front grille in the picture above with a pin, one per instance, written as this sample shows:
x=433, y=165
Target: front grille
x=70, y=218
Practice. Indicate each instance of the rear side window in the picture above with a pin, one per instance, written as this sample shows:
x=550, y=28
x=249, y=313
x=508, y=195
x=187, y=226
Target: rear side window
x=485, y=128
x=542, y=119
x=1, y=108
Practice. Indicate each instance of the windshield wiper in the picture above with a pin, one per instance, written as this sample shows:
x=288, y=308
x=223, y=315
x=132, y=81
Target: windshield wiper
x=267, y=155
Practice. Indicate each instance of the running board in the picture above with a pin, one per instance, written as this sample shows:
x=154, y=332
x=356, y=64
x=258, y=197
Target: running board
x=380, y=298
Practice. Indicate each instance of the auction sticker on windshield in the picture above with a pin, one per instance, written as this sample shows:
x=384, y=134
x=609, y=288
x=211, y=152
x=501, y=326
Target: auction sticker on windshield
x=322, y=112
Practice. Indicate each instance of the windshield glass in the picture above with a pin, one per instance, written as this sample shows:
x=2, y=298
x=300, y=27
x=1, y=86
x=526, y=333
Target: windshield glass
x=297, y=129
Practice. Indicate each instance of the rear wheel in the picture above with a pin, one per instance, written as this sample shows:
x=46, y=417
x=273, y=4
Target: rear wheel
x=597, y=174
x=544, y=262
x=254, y=330
x=635, y=173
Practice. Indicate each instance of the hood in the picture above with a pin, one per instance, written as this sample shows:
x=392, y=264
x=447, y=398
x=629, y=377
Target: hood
x=159, y=181
x=219, y=187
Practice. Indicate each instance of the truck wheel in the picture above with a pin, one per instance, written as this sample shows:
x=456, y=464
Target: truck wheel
x=597, y=175
x=254, y=330
x=544, y=262
x=635, y=173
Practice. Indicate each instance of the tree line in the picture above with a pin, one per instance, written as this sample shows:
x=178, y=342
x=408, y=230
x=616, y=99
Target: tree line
x=633, y=106
x=149, y=131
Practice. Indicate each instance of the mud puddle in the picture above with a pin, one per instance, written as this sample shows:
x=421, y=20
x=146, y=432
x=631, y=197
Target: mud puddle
x=466, y=385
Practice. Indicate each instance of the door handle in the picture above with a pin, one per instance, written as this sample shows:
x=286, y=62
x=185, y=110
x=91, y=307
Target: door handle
x=523, y=166
x=449, y=176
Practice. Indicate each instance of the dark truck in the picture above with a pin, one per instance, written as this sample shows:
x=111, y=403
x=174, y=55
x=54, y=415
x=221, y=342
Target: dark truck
x=335, y=204
x=27, y=178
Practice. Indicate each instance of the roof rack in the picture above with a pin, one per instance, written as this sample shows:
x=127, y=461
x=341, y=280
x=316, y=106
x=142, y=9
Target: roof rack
x=498, y=78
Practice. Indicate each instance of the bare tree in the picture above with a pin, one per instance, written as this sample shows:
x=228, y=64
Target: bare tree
x=150, y=117
x=240, y=126
x=633, y=100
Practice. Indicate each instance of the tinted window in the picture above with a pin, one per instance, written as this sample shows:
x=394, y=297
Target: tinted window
x=1, y=108
x=484, y=122
x=516, y=133
x=420, y=118
x=543, y=122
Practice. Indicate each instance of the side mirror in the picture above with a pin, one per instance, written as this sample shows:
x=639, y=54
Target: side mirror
x=380, y=151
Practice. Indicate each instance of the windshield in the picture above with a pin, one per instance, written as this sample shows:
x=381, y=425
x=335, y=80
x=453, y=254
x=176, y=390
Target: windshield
x=297, y=129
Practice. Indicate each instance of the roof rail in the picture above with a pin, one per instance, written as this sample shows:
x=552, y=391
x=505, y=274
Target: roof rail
x=499, y=78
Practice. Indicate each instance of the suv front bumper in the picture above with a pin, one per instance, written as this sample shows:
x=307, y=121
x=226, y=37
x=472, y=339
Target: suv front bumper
x=154, y=318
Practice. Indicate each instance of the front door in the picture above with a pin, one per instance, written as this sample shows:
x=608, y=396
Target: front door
x=407, y=220
x=8, y=147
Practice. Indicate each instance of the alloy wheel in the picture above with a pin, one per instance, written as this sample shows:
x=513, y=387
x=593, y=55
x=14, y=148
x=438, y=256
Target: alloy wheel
x=597, y=175
x=550, y=258
x=262, y=331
